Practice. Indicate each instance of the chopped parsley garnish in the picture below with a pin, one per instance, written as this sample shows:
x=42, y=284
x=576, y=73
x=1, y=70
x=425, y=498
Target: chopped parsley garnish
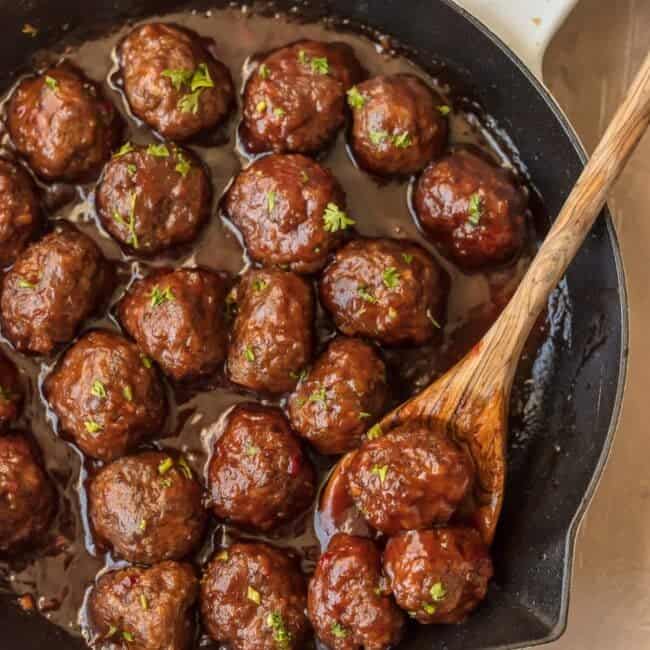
x=260, y=285
x=429, y=609
x=144, y=603
x=132, y=169
x=475, y=208
x=183, y=165
x=304, y=177
x=366, y=295
x=263, y=71
x=402, y=140
x=51, y=83
x=390, y=276
x=355, y=98
x=298, y=375
x=165, y=465
x=339, y=631
x=363, y=415
x=29, y=30
x=378, y=137
x=249, y=354
x=166, y=482
x=25, y=284
x=261, y=106
x=444, y=109
x=146, y=361
x=158, y=150
x=252, y=450
x=127, y=147
x=319, y=395
x=189, y=103
x=335, y=219
x=143, y=525
x=380, y=471
x=222, y=556
x=161, y=296
x=130, y=224
x=281, y=635
x=98, y=389
x=92, y=426
x=302, y=57
x=197, y=81
x=112, y=631
x=374, y=432
x=270, y=201
x=201, y=78
x=407, y=257
x=128, y=637
x=185, y=468
x=438, y=592
x=128, y=393
x=433, y=320
x=179, y=78
x=279, y=112
x=320, y=65
x=253, y=595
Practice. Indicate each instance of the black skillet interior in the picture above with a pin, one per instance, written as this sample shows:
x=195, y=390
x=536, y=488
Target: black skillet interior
x=558, y=450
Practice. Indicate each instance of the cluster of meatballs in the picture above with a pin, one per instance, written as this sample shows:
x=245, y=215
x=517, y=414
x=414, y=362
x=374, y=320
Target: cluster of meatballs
x=106, y=389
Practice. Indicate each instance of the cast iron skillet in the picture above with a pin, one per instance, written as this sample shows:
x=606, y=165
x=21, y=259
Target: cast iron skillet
x=556, y=457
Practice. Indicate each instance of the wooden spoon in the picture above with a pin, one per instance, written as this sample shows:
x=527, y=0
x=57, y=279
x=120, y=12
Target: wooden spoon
x=470, y=401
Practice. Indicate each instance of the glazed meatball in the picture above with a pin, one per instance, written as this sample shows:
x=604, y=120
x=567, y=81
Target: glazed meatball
x=408, y=479
x=389, y=290
x=349, y=600
x=145, y=609
x=258, y=475
x=272, y=338
x=439, y=575
x=295, y=99
x=27, y=497
x=19, y=211
x=147, y=507
x=178, y=319
x=290, y=210
x=63, y=125
x=172, y=82
x=55, y=284
x=397, y=125
x=254, y=597
x=340, y=397
x=11, y=391
x=473, y=210
x=106, y=399
x=152, y=198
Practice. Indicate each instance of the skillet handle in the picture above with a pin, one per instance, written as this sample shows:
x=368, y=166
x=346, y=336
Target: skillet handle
x=526, y=26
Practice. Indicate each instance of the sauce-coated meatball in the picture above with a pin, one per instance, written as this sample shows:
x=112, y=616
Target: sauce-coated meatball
x=55, y=284
x=145, y=609
x=385, y=289
x=19, y=211
x=341, y=397
x=472, y=209
x=397, y=127
x=27, y=497
x=178, y=319
x=107, y=400
x=147, y=507
x=63, y=125
x=295, y=99
x=290, y=210
x=253, y=597
x=259, y=476
x=11, y=391
x=152, y=198
x=440, y=575
x=172, y=81
x=272, y=338
x=408, y=479
x=349, y=601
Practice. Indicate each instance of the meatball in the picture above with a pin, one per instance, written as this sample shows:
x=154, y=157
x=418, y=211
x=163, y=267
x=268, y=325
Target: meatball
x=295, y=99
x=147, y=507
x=178, y=319
x=397, y=125
x=349, y=600
x=440, y=575
x=290, y=210
x=27, y=497
x=408, y=479
x=258, y=475
x=473, y=210
x=106, y=399
x=19, y=211
x=55, y=284
x=272, y=338
x=152, y=198
x=63, y=125
x=11, y=391
x=172, y=81
x=386, y=289
x=145, y=609
x=341, y=397
x=254, y=596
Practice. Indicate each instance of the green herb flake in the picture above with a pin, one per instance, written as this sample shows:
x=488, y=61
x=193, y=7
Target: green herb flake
x=128, y=393
x=249, y=353
x=319, y=395
x=390, y=277
x=270, y=201
x=378, y=137
x=25, y=284
x=402, y=140
x=132, y=169
x=380, y=471
x=222, y=556
x=185, y=468
x=438, y=592
x=304, y=177
x=165, y=465
x=281, y=635
x=298, y=376
x=374, y=432
x=51, y=83
x=179, y=78
x=407, y=257
x=189, y=103
x=302, y=57
x=279, y=112
x=252, y=451
x=392, y=313
x=161, y=296
x=335, y=219
x=261, y=106
x=143, y=525
x=112, y=631
x=444, y=110
x=29, y=30
x=146, y=361
x=144, y=603
x=320, y=65
x=201, y=78
x=130, y=222
x=127, y=147
x=263, y=71
x=128, y=637
x=366, y=295
x=166, y=482
x=260, y=285
x=98, y=389
x=158, y=150
x=92, y=426
x=183, y=165
x=435, y=323
x=364, y=415
x=355, y=98
x=429, y=609
x=339, y=631
x=253, y=595
x=475, y=208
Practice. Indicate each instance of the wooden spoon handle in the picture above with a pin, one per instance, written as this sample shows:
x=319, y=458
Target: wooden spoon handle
x=573, y=223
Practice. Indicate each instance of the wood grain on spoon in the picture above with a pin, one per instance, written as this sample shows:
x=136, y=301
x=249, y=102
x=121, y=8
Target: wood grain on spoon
x=470, y=401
